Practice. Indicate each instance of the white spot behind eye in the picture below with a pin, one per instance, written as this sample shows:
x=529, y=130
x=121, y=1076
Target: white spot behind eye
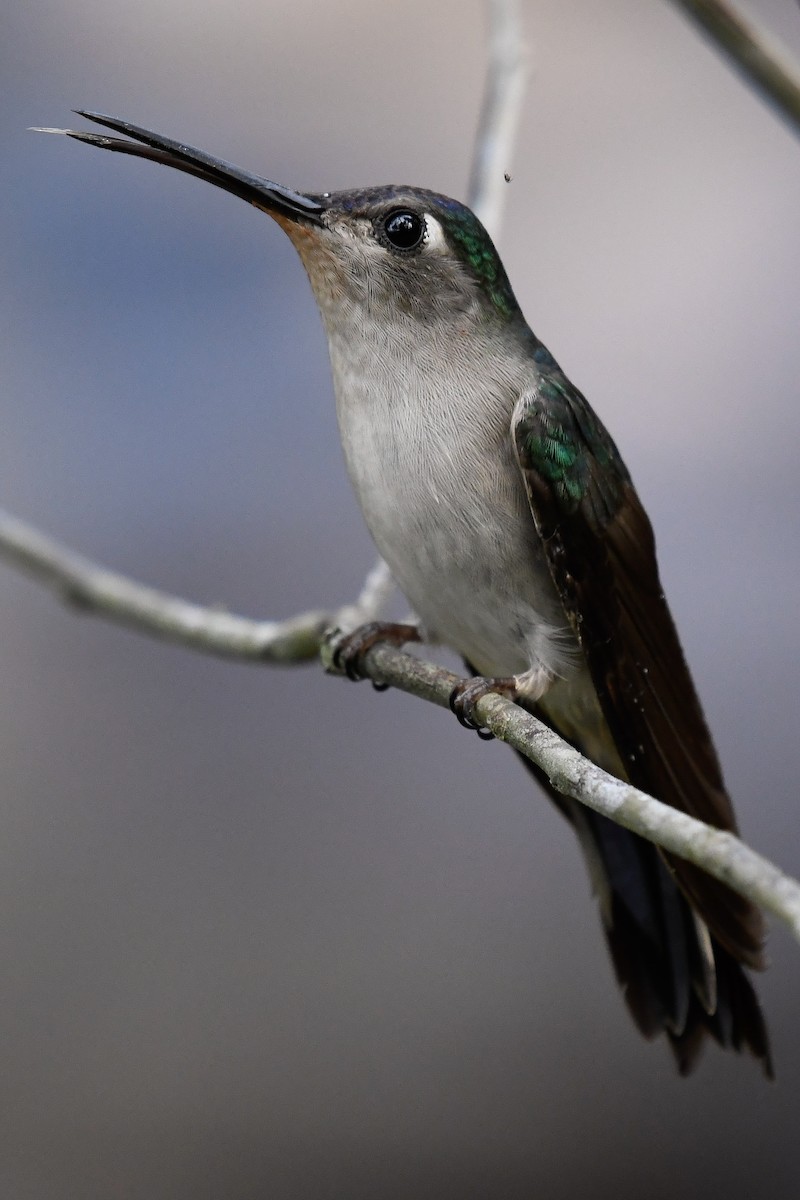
x=435, y=239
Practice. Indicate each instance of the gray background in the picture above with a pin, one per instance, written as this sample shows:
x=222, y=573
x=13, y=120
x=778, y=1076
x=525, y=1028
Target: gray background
x=244, y=960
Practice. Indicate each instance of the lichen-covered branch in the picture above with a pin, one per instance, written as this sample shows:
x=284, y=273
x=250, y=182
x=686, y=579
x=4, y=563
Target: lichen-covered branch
x=760, y=59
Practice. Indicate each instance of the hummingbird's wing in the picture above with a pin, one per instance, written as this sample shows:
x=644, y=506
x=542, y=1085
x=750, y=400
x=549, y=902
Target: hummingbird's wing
x=601, y=553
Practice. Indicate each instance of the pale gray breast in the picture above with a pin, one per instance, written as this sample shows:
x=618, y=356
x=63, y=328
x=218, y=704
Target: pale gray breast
x=434, y=470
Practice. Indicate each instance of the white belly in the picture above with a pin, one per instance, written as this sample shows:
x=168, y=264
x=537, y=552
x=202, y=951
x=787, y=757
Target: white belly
x=443, y=498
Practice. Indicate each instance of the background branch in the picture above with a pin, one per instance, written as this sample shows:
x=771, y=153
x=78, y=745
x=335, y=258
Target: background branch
x=500, y=113
x=763, y=62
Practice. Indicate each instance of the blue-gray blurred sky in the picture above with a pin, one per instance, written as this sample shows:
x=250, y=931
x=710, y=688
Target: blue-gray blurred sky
x=266, y=934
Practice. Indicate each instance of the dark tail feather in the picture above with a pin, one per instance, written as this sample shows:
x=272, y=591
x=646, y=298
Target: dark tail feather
x=737, y=1024
x=655, y=948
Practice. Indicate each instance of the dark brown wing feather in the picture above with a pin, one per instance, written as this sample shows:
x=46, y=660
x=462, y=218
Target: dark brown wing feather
x=601, y=553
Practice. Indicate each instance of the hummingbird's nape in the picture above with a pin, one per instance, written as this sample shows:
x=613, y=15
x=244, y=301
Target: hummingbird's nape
x=510, y=522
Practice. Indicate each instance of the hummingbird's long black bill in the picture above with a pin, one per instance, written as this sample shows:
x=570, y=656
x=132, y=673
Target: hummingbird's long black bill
x=263, y=193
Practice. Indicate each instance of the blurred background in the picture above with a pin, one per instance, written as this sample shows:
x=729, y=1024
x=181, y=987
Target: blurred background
x=264, y=933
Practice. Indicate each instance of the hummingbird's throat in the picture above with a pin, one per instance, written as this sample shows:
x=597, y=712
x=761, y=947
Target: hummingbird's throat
x=322, y=267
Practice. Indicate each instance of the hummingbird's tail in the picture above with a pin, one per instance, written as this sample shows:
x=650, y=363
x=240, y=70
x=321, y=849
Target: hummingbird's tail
x=675, y=976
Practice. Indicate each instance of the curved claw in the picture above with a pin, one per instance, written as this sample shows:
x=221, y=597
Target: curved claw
x=457, y=705
x=466, y=695
x=349, y=654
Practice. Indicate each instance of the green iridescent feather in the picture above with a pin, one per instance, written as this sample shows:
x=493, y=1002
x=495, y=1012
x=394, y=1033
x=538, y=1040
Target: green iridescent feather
x=564, y=442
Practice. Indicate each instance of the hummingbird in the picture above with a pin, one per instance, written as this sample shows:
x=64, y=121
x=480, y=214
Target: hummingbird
x=510, y=523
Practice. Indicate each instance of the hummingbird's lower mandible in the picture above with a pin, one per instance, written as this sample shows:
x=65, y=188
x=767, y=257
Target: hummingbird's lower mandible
x=510, y=522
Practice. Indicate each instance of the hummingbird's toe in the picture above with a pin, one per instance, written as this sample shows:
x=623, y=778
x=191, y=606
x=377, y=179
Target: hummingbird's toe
x=349, y=654
x=465, y=696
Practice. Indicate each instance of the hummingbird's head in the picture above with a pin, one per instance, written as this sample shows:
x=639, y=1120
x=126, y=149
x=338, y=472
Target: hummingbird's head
x=376, y=252
x=402, y=250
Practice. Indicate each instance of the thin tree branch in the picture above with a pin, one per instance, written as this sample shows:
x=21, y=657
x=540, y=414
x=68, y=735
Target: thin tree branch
x=764, y=63
x=500, y=113
x=719, y=853
x=94, y=589
x=372, y=600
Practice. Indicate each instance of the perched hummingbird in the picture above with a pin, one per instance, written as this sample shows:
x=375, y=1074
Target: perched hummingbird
x=510, y=522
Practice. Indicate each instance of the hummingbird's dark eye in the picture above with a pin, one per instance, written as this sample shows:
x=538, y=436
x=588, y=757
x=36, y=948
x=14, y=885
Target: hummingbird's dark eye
x=403, y=229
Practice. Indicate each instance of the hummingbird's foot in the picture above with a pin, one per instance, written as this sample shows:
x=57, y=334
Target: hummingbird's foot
x=349, y=654
x=466, y=695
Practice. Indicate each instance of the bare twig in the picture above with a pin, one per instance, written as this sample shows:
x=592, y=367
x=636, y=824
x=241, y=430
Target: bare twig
x=763, y=61
x=372, y=600
x=96, y=590
x=719, y=853
x=500, y=113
